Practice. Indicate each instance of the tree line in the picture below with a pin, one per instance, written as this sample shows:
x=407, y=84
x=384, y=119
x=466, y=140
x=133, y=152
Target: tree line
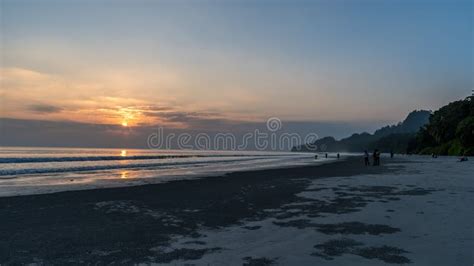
x=447, y=131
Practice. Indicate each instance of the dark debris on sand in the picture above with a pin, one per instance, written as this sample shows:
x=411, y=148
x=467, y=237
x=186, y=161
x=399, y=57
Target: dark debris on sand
x=347, y=199
x=356, y=228
x=337, y=247
x=249, y=261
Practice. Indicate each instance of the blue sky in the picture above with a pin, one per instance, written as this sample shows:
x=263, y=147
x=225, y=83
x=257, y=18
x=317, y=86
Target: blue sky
x=137, y=61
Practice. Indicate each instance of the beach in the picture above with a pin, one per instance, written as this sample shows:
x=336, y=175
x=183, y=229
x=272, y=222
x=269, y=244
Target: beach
x=410, y=210
x=236, y=132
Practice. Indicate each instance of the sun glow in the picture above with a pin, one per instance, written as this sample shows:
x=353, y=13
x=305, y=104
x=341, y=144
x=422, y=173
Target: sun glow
x=124, y=123
x=123, y=153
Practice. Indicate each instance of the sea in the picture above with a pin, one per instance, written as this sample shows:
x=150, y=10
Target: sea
x=26, y=170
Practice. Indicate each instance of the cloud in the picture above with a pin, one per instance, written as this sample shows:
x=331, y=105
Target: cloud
x=21, y=74
x=44, y=108
x=195, y=120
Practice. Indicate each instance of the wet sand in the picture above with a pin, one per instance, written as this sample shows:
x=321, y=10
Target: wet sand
x=142, y=224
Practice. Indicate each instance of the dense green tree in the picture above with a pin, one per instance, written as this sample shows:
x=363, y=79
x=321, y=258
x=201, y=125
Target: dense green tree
x=443, y=123
x=449, y=131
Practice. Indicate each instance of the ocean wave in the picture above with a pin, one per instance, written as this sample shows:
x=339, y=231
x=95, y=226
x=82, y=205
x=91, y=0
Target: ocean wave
x=109, y=158
x=12, y=172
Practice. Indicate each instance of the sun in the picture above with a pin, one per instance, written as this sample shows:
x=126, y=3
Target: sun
x=125, y=124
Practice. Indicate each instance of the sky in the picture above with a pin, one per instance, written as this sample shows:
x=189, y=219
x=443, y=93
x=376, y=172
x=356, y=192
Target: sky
x=177, y=63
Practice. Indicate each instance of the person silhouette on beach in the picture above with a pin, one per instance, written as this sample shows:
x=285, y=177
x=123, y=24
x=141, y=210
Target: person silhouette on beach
x=391, y=154
x=338, y=156
x=376, y=156
x=366, y=158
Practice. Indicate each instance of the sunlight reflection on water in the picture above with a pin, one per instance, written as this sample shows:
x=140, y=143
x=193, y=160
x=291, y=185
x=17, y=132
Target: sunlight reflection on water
x=124, y=174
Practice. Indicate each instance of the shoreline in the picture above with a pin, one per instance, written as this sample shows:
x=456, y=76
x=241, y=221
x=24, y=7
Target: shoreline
x=185, y=221
x=70, y=176
x=217, y=174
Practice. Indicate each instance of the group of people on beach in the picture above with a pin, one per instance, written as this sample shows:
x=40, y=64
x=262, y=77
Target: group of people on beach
x=376, y=157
